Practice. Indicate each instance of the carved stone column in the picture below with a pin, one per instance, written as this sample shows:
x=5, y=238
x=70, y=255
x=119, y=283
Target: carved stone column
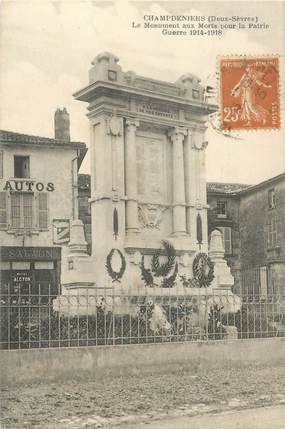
x=199, y=145
x=132, y=224
x=178, y=179
x=190, y=184
x=115, y=132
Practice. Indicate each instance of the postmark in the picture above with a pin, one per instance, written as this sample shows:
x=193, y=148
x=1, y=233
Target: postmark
x=249, y=92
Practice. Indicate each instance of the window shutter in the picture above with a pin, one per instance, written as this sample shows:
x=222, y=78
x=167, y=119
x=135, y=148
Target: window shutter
x=228, y=240
x=274, y=231
x=3, y=210
x=43, y=210
x=269, y=244
x=16, y=210
x=28, y=210
x=1, y=164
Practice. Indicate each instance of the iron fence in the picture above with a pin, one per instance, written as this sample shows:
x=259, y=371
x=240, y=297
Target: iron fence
x=114, y=317
x=259, y=281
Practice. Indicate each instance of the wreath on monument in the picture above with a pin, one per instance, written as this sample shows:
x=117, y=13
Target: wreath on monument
x=169, y=281
x=115, y=275
x=146, y=274
x=161, y=270
x=203, y=269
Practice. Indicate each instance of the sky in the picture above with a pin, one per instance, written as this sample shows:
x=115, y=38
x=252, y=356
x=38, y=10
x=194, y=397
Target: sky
x=46, y=49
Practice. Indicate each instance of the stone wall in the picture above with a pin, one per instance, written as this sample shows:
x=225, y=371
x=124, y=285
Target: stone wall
x=91, y=363
x=255, y=222
x=254, y=228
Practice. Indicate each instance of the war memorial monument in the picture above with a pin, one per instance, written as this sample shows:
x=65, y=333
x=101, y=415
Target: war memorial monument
x=148, y=194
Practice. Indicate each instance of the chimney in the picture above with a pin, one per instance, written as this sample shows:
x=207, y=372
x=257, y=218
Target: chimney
x=61, y=125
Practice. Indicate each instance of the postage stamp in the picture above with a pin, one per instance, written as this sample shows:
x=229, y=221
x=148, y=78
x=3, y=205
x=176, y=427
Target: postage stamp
x=249, y=92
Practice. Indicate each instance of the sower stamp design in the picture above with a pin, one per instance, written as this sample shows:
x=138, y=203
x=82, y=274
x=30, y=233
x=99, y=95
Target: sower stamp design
x=249, y=93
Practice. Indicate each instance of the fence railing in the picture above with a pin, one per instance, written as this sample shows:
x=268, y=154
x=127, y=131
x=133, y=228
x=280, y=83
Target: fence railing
x=30, y=320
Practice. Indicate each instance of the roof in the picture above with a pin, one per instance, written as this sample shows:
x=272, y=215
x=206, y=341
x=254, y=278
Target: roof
x=19, y=138
x=240, y=188
x=11, y=137
x=226, y=188
x=264, y=184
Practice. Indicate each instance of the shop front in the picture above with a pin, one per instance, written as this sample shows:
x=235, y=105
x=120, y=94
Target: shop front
x=29, y=281
x=30, y=270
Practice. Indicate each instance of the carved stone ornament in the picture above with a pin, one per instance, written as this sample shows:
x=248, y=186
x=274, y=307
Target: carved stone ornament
x=177, y=133
x=115, y=126
x=150, y=215
x=200, y=145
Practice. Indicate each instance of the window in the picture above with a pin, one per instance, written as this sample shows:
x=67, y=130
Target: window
x=221, y=209
x=44, y=265
x=227, y=239
x=271, y=199
x=28, y=211
x=22, y=210
x=272, y=232
x=22, y=166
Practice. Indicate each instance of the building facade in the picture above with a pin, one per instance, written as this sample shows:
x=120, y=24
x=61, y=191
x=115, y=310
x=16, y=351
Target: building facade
x=38, y=199
x=262, y=235
x=252, y=220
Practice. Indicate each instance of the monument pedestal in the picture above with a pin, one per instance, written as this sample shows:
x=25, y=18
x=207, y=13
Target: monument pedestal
x=223, y=277
x=76, y=270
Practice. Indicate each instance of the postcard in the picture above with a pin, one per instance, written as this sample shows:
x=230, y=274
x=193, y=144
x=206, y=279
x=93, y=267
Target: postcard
x=142, y=214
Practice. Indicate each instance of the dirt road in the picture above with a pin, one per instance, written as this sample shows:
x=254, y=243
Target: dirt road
x=136, y=399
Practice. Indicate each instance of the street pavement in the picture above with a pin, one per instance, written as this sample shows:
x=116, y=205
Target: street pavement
x=132, y=400
x=259, y=418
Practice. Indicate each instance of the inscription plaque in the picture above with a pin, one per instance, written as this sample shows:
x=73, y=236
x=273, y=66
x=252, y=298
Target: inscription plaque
x=150, y=168
x=156, y=109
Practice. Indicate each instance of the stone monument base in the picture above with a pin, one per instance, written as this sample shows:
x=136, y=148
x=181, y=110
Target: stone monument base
x=82, y=294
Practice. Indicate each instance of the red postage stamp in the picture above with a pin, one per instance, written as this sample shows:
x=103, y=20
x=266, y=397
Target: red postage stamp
x=249, y=93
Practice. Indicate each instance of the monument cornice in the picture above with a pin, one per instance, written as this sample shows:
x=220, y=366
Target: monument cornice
x=148, y=119
x=98, y=88
x=108, y=197
x=197, y=206
x=178, y=133
x=154, y=246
